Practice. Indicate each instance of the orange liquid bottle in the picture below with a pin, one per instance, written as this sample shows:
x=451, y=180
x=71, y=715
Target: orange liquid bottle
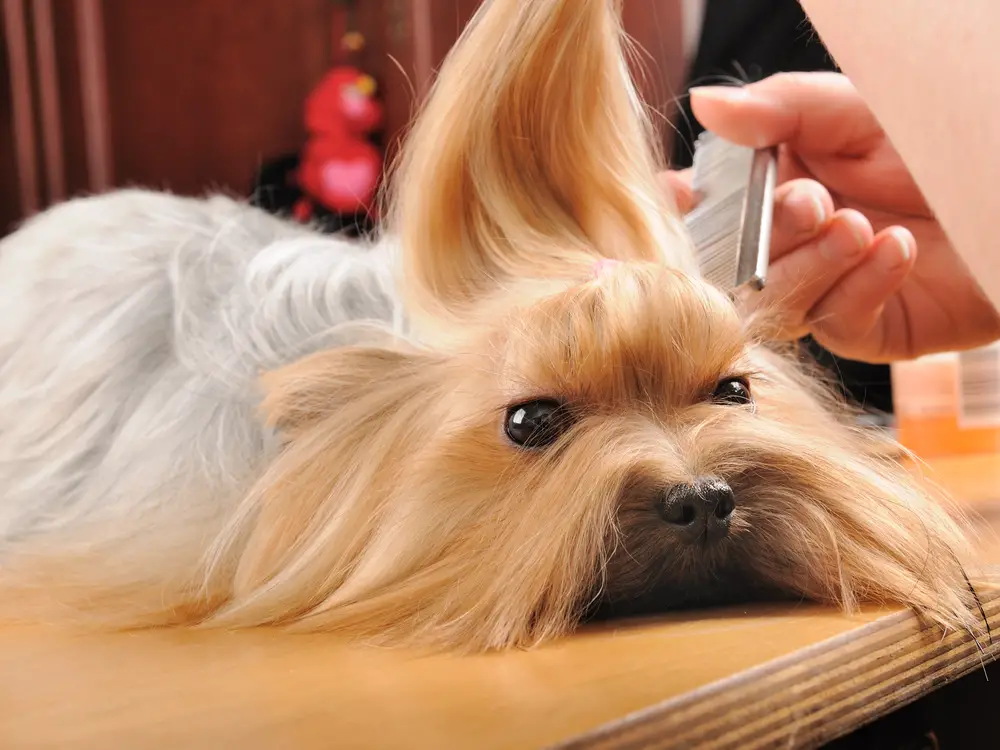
x=949, y=404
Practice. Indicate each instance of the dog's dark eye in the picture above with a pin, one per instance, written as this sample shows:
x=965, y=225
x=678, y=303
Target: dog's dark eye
x=734, y=391
x=536, y=424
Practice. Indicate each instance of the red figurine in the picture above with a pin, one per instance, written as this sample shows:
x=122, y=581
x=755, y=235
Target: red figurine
x=340, y=168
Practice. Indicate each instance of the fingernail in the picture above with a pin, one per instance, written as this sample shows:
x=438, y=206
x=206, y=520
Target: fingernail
x=895, y=254
x=860, y=241
x=833, y=247
x=721, y=93
x=905, y=240
x=807, y=207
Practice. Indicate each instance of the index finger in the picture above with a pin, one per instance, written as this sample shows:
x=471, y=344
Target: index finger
x=818, y=113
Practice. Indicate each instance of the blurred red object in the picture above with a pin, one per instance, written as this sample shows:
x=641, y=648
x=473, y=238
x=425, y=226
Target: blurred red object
x=340, y=168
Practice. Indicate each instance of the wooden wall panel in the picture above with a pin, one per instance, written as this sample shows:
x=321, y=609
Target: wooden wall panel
x=407, y=40
x=70, y=98
x=10, y=202
x=658, y=65
x=200, y=92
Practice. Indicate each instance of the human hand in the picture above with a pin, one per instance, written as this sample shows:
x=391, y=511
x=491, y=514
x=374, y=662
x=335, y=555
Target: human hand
x=855, y=281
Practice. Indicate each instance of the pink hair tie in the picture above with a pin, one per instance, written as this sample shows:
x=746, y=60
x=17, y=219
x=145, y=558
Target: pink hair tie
x=604, y=265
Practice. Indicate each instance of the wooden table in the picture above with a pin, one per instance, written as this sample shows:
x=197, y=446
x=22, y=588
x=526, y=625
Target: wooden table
x=768, y=676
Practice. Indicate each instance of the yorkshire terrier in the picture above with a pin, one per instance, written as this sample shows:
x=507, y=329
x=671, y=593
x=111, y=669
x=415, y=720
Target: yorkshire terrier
x=209, y=416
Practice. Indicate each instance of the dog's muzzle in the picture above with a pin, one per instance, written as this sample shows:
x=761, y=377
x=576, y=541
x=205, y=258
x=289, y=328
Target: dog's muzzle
x=699, y=512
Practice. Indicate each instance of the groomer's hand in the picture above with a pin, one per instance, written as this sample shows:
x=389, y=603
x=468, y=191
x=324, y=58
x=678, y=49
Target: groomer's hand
x=845, y=265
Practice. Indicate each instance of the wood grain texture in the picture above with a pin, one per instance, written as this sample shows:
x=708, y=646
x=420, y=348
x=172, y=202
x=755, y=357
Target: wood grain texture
x=202, y=92
x=407, y=41
x=10, y=200
x=263, y=690
x=657, y=63
x=765, y=676
x=814, y=695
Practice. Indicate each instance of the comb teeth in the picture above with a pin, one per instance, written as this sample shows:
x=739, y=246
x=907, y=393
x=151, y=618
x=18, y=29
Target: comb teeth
x=716, y=236
x=731, y=225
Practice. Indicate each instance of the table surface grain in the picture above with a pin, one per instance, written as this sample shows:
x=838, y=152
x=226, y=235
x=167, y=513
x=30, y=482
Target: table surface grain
x=789, y=675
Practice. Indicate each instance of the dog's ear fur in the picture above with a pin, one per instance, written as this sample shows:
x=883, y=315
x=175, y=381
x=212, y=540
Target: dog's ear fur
x=341, y=412
x=533, y=154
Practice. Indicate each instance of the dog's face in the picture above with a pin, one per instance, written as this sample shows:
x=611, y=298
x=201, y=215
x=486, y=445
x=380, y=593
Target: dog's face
x=621, y=444
x=625, y=404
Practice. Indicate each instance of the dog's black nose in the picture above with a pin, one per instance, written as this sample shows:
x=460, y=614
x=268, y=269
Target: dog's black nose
x=700, y=510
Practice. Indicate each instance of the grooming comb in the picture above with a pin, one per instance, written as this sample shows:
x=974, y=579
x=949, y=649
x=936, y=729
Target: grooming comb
x=731, y=225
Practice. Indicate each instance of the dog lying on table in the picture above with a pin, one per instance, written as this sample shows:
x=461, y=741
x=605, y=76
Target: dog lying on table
x=519, y=409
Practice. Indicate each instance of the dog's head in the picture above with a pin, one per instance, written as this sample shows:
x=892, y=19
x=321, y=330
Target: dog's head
x=570, y=438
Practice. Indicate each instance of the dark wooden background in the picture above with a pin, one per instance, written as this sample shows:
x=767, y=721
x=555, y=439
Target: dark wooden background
x=200, y=92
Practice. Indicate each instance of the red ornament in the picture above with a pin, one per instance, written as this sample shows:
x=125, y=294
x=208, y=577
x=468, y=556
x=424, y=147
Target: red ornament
x=340, y=168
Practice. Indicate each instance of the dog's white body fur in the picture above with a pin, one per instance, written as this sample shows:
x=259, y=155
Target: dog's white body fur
x=133, y=329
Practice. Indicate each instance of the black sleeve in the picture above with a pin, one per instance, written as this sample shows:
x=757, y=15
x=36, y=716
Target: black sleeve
x=748, y=40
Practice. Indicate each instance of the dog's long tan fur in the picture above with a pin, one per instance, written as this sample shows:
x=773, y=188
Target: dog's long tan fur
x=397, y=510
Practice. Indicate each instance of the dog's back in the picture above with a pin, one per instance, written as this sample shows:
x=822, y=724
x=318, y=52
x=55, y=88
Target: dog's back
x=133, y=327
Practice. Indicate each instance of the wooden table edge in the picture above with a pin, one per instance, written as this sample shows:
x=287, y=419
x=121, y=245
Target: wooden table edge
x=813, y=695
